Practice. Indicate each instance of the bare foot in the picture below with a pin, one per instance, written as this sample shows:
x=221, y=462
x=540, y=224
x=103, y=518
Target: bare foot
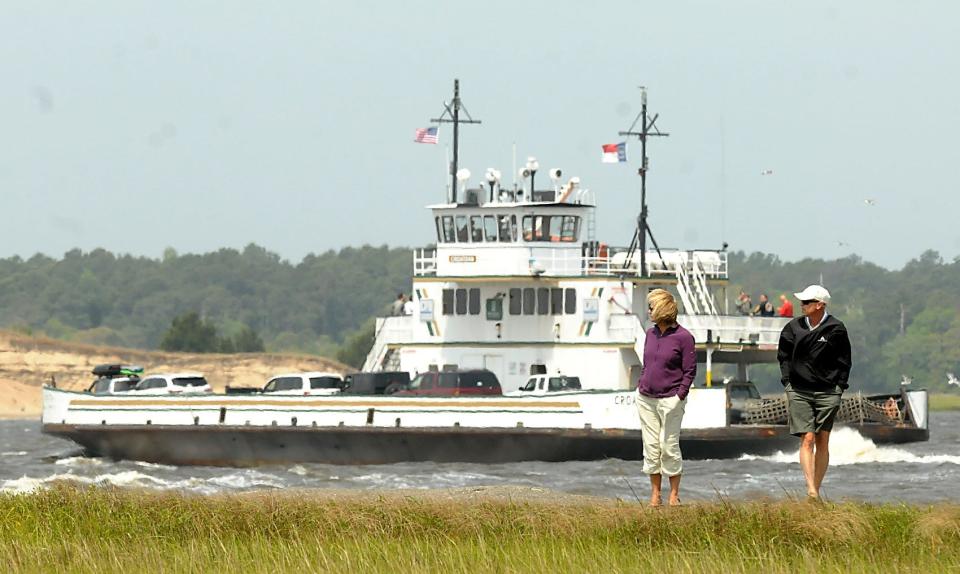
x=656, y=501
x=674, y=501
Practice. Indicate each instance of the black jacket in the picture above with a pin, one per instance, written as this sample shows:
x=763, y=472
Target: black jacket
x=817, y=360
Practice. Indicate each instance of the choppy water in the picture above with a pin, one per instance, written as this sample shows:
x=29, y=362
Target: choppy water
x=860, y=470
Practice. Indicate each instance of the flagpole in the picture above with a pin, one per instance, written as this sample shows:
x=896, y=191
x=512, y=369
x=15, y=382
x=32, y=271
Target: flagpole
x=446, y=166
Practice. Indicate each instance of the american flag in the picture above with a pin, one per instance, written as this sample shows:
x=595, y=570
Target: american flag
x=426, y=135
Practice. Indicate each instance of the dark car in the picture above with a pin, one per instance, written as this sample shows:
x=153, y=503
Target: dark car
x=453, y=383
x=380, y=383
x=741, y=396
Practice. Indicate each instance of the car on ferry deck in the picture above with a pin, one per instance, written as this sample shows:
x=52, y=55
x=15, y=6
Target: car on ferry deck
x=543, y=384
x=474, y=382
x=173, y=384
x=306, y=384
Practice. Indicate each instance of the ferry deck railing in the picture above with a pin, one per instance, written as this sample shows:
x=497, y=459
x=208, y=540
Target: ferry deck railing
x=702, y=264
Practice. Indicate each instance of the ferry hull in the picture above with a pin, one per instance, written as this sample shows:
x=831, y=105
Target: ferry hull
x=251, y=446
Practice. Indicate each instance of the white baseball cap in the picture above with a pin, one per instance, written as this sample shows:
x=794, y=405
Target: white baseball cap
x=814, y=293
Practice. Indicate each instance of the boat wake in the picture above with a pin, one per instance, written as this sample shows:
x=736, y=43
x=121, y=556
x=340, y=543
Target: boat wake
x=847, y=446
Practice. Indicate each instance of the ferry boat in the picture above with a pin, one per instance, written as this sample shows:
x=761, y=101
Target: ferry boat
x=518, y=283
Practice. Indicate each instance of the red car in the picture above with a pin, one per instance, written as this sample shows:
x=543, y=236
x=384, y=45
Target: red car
x=453, y=384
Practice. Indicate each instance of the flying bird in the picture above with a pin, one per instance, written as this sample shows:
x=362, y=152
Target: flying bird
x=870, y=202
x=842, y=244
x=952, y=379
x=767, y=172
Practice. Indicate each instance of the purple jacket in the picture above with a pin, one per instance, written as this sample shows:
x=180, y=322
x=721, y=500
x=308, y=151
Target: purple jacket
x=669, y=363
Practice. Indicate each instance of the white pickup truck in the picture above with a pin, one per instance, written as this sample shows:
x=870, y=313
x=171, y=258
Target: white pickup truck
x=543, y=384
x=309, y=383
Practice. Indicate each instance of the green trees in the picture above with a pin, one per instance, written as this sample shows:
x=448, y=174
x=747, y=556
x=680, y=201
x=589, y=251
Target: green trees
x=190, y=333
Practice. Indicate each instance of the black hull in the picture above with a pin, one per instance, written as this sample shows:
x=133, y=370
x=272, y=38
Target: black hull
x=251, y=446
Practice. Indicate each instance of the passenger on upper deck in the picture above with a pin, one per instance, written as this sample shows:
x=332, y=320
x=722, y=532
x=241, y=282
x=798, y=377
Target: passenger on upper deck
x=408, y=305
x=744, y=304
x=396, y=308
x=764, y=308
x=786, y=309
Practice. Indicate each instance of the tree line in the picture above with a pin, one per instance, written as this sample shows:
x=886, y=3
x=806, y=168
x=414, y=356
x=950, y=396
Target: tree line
x=902, y=322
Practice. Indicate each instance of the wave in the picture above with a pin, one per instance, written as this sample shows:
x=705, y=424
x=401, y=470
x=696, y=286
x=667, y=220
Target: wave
x=14, y=453
x=847, y=447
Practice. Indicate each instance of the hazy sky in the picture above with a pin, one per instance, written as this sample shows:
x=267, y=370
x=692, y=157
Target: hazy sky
x=135, y=126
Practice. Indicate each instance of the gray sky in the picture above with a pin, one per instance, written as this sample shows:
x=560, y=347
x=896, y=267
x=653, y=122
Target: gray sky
x=135, y=126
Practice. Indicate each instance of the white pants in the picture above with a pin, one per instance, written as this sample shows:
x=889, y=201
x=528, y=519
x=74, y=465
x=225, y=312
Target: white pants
x=660, y=422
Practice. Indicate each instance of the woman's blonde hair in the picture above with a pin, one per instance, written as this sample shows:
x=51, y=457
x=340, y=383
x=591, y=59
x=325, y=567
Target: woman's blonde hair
x=663, y=306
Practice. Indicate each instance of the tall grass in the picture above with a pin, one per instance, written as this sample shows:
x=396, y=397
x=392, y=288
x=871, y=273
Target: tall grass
x=70, y=529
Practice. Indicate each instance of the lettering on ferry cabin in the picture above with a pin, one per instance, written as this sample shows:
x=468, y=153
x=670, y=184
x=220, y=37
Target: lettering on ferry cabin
x=463, y=259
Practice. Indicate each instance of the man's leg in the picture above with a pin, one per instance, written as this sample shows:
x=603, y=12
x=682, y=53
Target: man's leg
x=821, y=458
x=807, y=442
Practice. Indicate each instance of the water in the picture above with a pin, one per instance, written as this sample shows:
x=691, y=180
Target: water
x=918, y=472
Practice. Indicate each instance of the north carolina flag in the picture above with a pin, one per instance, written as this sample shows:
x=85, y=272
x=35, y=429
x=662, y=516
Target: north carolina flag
x=615, y=153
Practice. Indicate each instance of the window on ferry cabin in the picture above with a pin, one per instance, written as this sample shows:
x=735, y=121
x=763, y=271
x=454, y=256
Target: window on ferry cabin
x=462, y=233
x=476, y=228
x=569, y=227
x=449, y=236
x=515, y=301
x=543, y=301
x=570, y=301
x=556, y=301
x=423, y=381
x=505, y=228
x=439, y=230
x=528, y=300
x=490, y=228
x=555, y=384
x=101, y=386
x=448, y=301
x=495, y=309
x=531, y=385
x=474, y=303
x=461, y=301
x=325, y=382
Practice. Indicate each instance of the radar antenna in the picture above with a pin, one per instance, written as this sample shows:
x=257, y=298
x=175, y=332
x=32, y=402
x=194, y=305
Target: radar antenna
x=451, y=115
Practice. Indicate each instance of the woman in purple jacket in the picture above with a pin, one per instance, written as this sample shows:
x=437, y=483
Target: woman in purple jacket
x=669, y=367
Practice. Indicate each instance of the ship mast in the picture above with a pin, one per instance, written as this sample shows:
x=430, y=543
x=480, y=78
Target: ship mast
x=648, y=128
x=451, y=115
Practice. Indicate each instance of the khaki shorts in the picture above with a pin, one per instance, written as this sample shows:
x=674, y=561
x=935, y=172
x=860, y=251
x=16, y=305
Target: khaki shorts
x=811, y=411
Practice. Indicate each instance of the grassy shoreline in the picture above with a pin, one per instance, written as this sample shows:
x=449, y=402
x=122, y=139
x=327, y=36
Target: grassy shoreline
x=104, y=530
x=944, y=402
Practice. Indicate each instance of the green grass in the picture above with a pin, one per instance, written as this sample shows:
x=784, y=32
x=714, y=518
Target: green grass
x=69, y=529
x=944, y=402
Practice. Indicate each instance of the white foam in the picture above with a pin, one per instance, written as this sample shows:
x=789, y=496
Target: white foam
x=847, y=446
x=79, y=461
x=248, y=479
x=154, y=465
x=14, y=453
x=298, y=470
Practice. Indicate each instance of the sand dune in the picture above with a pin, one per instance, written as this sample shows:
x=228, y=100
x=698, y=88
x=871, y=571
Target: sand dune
x=26, y=363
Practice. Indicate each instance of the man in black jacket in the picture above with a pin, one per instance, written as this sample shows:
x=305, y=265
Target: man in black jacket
x=815, y=360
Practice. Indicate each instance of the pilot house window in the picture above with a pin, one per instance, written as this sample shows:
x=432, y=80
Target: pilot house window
x=553, y=228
